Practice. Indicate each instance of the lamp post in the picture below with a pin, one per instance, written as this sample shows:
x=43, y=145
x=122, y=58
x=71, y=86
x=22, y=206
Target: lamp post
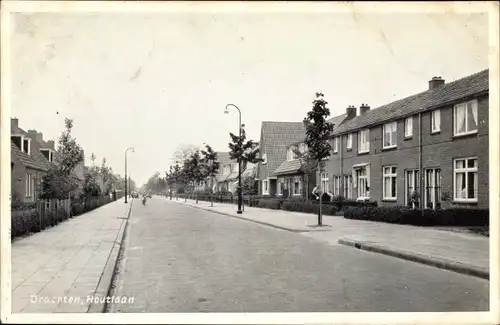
x=226, y=111
x=126, y=186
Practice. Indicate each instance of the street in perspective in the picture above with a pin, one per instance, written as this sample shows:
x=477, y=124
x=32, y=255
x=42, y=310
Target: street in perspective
x=249, y=163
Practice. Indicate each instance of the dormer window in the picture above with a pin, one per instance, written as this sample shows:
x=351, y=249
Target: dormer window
x=48, y=153
x=27, y=145
x=291, y=153
x=18, y=141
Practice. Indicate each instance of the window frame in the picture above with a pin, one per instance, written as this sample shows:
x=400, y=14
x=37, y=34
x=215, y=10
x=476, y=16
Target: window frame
x=393, y=142
x=265, y=189
x=464, y=104
x=349, y=141
x=409, y=127
x=466, y=170
x=366, y=148
x=362, y=173
x=347, y=187
x=390, y=175
x=433, y=117
x=335, y=144
x=324, y=182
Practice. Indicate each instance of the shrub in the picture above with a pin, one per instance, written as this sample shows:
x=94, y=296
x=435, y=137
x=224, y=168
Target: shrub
x=307, y=206
x=270, y=203
x=23, y=221
x=418, y=217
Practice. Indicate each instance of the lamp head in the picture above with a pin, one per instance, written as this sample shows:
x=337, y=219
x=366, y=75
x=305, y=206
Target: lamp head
x=226, y=111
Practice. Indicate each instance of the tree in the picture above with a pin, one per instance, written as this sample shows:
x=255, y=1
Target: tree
x=318, y=133
x=91, y=188
x=243, y=152
x=105, y=172
x=58, y=183
x=183, y=152
x=212, y=166
x=195, y=171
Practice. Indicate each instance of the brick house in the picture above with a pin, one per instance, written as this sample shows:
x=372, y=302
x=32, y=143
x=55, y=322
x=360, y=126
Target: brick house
x=28, y=165
x=437, y=138
x=296, y=177
x=275, y=139
x=47, y=148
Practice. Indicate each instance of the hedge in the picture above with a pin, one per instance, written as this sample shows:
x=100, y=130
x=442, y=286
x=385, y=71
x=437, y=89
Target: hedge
x=25, y=219
x=307, y=206
x=405, y=215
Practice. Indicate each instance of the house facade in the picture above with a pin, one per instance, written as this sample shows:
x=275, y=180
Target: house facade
x=28, y=165
x=284, y=173
x=428, y=150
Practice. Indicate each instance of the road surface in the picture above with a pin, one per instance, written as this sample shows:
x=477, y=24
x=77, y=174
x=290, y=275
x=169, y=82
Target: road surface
x=180, y=259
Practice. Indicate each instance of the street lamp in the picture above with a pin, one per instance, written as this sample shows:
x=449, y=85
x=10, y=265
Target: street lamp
x=226, y=111
x=126, y=187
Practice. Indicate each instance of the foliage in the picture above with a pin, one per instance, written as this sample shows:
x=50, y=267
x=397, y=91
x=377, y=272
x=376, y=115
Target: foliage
x=250, y=186
x=274, y=204
x=417, y=217
x=90, y=187
x=183, y=152
x=58, y=183
x=243, y=151
x=210, y=164
x=307, y=206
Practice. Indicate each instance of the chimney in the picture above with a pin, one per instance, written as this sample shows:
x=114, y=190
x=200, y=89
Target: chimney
x=435, y=83
x=351, y=112
x=50, y=144
x=363, y=109
x=14, y=123
x=33, y=134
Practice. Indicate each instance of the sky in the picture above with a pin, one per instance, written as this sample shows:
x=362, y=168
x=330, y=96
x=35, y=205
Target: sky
x=159, y=81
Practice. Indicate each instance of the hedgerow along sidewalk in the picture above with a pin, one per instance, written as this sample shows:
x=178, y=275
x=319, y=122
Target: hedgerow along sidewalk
x=458, y=252
x=74, y=259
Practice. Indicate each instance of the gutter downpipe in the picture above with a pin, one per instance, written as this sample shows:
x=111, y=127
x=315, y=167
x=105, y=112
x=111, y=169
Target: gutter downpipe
x=341, y=167
x=422, y=176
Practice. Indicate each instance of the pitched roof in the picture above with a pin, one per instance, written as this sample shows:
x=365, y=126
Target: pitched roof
x=337, y=120
x=277, y=136
x=447, y=93
x=223, y=158
x=35, y=159
x=288, y=167
x=27, y=160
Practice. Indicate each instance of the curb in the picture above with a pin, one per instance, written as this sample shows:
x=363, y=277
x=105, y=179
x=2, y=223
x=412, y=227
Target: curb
x=254, y=221
x=418, y=258
x=104, y=287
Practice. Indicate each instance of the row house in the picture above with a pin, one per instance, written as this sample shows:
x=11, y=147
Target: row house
x=226, y=179
x=31, y=158
x=422, y=150
x=283, y=172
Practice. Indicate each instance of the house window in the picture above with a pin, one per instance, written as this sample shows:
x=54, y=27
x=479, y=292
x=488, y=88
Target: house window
x=435, y=121
x=390, y=183
x=26, y=146
x=336, y=185
x=265, y=187
x=349, y=141
x=364, y=141
x=291, y=153
x=227, y=169
x=412, y=185
x=390, y=134
x=408, y=127
x=347, y=186
x=281, y=186
x=466, y=180
x=28, y=185
x=335, y=145
x=297, y=185
x=432, y=187
x=324, y=183
x=362, y=183
x=465, y=118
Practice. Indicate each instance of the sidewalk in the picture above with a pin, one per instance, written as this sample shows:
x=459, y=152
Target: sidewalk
x=72, y=259
x=455, y=251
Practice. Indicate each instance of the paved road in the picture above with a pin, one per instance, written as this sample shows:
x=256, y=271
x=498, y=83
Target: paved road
x=181, y=259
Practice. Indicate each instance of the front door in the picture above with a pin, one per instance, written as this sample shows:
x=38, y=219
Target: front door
x=432, y=187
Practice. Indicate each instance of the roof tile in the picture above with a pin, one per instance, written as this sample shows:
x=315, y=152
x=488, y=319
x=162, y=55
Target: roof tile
x=455, y=90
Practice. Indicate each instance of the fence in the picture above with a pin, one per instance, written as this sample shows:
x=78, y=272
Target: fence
x=42, y=214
